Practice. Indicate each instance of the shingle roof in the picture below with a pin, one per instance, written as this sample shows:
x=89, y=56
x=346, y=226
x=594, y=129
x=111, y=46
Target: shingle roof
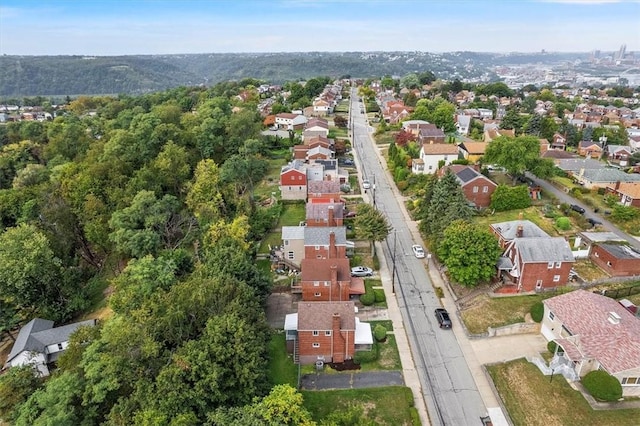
x=474, y=147
x=439, y=148
x=320, y=269
x=586, y=316
x=320, y=211
x=319, y=315
x=630, y=189
x=572, y=164
x=509, y=230
x=38, y=333
x=609, y=175
x=552, y=249
x=620, y=251
x=293, y=232
x=323, y=187
x=319, y=235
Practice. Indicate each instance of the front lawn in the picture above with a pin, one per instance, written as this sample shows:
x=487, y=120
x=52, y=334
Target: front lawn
x=497, y=312
x=532, y=399
x=392, y=405
x=292, y=214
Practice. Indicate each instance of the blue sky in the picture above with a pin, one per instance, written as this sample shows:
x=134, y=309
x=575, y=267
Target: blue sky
x=112, y=27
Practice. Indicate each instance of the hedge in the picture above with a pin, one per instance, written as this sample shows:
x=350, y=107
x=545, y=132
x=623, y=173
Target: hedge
x=537, y=311
x=380, y=332
x=368, y=299
x=367, y=356
x=602, y=386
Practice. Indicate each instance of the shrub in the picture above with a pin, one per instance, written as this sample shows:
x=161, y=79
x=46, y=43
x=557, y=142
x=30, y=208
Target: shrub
x=602, y=191
x=367, y=356
x=602, y=386
x=379, y=296
x=402, y=185
x=380, y=333
x=368, y=299
x=510, y=198
x=537, y=311
x=551, y=347
x=563, y=223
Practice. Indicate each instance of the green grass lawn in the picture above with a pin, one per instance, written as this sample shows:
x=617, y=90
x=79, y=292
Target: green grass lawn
x=273, y=238
x=369, y=284
x=532, y=213
x=391, y=405
x=496, y=312
x=534, y=400
x=293, y=214
x=281, y=367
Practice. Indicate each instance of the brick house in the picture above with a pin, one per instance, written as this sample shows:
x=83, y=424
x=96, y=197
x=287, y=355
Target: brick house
x=590, y=149
x=627, y=192
x=594, y=332
x=327, y=332
x=329, y=280
x=477, y=188
x=431, y=134
x=293, y=181
x=534, y=264
x=618, y=260
x=325, y=214
x=323, y=190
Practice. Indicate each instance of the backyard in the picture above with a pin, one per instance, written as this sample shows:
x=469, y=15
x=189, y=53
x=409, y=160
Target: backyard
x=532, y=399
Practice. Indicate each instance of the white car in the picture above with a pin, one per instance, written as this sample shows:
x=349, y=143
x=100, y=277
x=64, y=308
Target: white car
x=361, y=271
x=418, y=251
x=366, y=184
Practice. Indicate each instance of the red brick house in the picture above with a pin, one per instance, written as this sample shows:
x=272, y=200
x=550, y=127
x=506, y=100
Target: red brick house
x=323, y=191
x=627, y=192
x=325, y=214
x=326, y=332
x=324, y=242
x=618, y=260
x=329, y=280
x=534, y=264
x=590, y=149
x=477, y=187
x=508, y=231
x=293, y=181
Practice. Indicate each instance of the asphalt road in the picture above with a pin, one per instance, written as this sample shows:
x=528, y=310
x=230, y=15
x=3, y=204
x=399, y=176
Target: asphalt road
x=357, y=380
x=566, y=198
x=450, y=393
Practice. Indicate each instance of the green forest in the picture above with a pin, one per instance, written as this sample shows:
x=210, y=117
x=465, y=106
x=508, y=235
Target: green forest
x=150, y=200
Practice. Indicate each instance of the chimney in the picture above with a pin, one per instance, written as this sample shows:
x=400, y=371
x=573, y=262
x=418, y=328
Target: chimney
x=333, y=252
x=520, y=231
x=520, y=216
x=331, y=220
x=334, y=274
x=617, y=187
x=336, y=324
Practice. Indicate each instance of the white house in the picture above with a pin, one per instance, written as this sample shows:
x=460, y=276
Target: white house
x=432, y=154
x=39, y=344
x=595, y=332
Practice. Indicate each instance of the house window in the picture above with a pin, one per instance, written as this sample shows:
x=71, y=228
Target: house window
x=445, y=158
x=290, y=255
x=475, y=189
x=550, y=265
x=538, y=284
x=609, y=264
x=631, y=381
x=430, y=167
x=59, y=346
x=327, y=333
x=327, y=283
x=317, y=294
x=286, y=242
x=485, y=189
x=596, y=254
x=551, y=316
x=316, y=333
x=558, y=265
x=317, y=247
x=556, y=278
x=316, y=345
x=316, y=283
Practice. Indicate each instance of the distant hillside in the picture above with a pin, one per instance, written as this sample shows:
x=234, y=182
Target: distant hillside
x=74, y=75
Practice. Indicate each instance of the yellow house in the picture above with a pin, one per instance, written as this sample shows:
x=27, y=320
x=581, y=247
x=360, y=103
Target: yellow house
x=473, y=151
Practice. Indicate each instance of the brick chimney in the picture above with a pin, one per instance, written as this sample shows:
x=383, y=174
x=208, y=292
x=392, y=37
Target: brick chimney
x=334, y=275
x=331, y=220
x=333, y=252
x=520, y=231
x=339, y=345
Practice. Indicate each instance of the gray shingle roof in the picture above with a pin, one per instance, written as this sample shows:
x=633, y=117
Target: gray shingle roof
x=572, y=164
x=609, y=175
x=508, y=230
x=293, y=232
x=319, y=235
x=544, y=249
x=38, y=333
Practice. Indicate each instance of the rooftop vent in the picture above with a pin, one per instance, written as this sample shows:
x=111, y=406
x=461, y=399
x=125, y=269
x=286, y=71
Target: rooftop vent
x=614, y=318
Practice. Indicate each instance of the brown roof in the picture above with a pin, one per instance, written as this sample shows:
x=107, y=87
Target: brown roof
x=323, y=187
x=439, y=148
x=586, y=315
x=319, y=315
x=630, y=189
x=317, y=122
x=475, y=147
x=320, y=211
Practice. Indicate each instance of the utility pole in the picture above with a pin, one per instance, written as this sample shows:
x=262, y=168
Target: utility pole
x=393, y=273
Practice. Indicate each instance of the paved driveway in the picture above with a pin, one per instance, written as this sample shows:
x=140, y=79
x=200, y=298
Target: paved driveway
x=356, y=380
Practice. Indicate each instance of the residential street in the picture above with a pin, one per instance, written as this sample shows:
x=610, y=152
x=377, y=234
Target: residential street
x=448, y=387
x=566, y=198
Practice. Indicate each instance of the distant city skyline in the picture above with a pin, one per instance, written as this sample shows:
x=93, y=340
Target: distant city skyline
x=110, y=27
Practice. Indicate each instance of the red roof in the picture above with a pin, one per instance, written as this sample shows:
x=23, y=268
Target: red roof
x=616, y=346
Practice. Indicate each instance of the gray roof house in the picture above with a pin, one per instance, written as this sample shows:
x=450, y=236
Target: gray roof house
x=601, y=178
x=40, y=343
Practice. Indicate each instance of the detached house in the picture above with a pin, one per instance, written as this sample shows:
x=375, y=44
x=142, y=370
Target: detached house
x=618, y=260
x=535, y=264
x=472, y=151
x=326, y=332
x=590, y=149
x=508, y=231
x=628, y=193
x=594, y=332
x=431, y=155
x=39, y=344
x=477, y=188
